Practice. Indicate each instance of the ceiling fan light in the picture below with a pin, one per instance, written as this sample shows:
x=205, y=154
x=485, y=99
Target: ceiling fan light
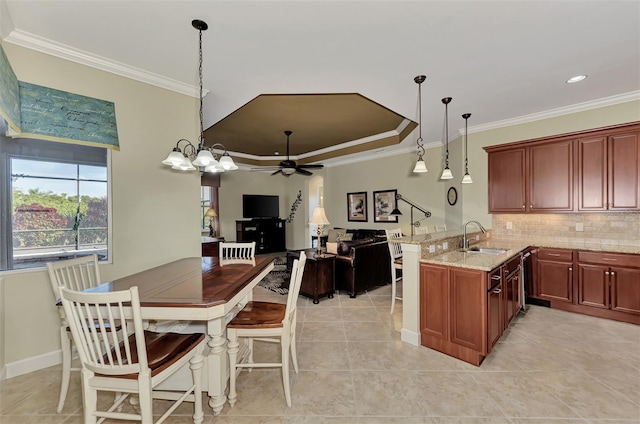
x=204, y=158
x=420, y=166
x=288, y=171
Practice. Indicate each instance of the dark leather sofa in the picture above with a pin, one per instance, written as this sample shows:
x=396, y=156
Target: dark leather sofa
x=363, y=263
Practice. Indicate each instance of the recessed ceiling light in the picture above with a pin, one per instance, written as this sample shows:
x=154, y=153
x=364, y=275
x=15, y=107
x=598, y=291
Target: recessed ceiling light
x=577, y=78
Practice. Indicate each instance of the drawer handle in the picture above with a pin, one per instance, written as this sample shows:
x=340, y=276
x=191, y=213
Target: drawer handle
x=609, y=259
x=497, y=291
x=495, y=277
x=607, y=273
x=570, y=269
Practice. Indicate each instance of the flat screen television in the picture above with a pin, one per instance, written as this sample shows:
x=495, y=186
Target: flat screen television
x=260, y=206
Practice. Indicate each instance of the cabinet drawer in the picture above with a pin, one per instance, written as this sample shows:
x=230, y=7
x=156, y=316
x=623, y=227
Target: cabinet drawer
x=555, y=254
x=511, y=265
x=611, y=259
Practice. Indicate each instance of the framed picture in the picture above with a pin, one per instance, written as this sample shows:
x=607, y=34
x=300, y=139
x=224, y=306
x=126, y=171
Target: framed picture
x=357, y=206
x=383, y=203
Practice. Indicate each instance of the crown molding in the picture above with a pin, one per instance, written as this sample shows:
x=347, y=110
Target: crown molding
x=552, y=113
x=43, y=45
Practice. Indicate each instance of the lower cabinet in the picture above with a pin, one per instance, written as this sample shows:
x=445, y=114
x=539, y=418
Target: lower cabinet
x=554, y=272
x=462, y=311
x=609, y=285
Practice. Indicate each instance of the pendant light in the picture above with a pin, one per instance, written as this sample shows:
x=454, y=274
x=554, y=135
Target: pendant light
x=202, y=157
x=446, y=172
x=420, y=167
x=467, y=178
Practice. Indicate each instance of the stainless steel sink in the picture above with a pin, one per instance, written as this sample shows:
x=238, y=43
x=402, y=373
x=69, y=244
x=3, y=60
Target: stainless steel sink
x=485, y=250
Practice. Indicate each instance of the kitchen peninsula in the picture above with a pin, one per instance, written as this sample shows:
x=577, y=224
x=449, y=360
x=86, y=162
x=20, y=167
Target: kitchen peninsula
x=460, y=302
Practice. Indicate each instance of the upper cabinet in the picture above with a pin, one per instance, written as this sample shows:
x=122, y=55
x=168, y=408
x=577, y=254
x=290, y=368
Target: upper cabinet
x=589, y=171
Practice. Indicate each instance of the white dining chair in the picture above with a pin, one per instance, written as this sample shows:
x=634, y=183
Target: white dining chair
x=76, y=274
x=268, y=322
x=129, y=361
x=395, y=254
x=237, y=253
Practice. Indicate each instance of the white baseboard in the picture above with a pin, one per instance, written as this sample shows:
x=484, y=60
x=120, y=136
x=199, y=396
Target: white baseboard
x=410, y=337
x=3, y=374
x=35, y=363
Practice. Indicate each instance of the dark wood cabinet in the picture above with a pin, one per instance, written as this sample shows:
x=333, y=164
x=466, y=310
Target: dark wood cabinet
x=467, y=308
x=434, y=300
x=624, y=171
x=550, y=184
x=554, y=272
x=269, y=234
x=318, y=279
x=610, y=282
x=609, y=170
x=507, y=181
x=586, y=171
x=511, y=290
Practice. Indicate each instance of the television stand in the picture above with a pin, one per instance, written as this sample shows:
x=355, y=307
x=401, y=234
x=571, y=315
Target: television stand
x=269, y=234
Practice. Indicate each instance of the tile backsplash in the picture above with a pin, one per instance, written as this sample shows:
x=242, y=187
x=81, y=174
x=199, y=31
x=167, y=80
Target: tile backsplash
x=614, y=229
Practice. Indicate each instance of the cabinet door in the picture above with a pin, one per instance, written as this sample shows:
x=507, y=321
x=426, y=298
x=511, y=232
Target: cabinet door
x=507, y=170
x=625, y=290
x=434, y=301
x=554, y=280
x=592, y=174
x=593, y=286
x=551, y=177
x=467, y=308
x=624, y=172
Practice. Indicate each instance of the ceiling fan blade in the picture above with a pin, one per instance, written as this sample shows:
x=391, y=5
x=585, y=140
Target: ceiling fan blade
x=303, y=171
x=279, y=171
x=311, y=166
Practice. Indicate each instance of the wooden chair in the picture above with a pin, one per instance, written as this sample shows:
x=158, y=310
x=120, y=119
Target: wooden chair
x=76, y=274
x=269, y=322
x=131, y=360
x=395, y=253
x=237, y=253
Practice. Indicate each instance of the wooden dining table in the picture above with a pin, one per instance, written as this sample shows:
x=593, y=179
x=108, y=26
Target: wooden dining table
x=199, y=290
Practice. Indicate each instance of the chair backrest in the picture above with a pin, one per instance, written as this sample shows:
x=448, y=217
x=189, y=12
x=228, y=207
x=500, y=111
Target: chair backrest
x=91, y=317
x=294, y=286
x=76, y=274
x=393, y=233
x=237, y=253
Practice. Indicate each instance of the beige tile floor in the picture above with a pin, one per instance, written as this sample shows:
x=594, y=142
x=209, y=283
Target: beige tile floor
x=550, y=367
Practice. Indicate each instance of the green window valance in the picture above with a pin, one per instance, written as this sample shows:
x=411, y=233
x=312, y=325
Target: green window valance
x=34, y=111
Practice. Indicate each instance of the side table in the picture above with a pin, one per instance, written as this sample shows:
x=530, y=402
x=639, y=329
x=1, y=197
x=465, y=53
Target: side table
x=318, y=279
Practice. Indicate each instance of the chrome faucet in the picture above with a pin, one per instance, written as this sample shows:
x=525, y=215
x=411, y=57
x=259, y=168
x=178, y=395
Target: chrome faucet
x=465, y=242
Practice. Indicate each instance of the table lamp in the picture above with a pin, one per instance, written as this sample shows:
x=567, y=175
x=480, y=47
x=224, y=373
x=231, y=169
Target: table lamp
x=211, y=214
x=320, y=219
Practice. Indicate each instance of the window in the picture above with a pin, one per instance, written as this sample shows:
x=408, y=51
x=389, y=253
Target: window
x=205, y=204
x=55, y=200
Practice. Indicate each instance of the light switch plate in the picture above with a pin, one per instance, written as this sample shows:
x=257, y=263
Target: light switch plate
x=432, y=248
x=579, y=226
x=445, y=245
x=509, y=225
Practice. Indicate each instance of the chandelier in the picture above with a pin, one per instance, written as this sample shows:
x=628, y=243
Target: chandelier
x=190, y=156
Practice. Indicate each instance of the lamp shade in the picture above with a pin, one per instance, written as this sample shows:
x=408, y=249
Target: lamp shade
x=227, y=163
x=395, y=212
x=210, y=213
x=446, y=174
x=319, y=217
x=175, y=158
x=420, y=166
x=204, y=158
x=466, y=179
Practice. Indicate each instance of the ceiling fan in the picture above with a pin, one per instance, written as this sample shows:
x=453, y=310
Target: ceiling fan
x=288, y=166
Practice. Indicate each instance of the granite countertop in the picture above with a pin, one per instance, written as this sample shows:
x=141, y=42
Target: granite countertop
x=486, y=262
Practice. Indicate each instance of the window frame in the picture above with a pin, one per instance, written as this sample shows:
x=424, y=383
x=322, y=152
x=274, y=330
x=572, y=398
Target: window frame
x=53, y=152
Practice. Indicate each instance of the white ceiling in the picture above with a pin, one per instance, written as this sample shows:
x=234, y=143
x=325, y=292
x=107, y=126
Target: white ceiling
x=499, y=60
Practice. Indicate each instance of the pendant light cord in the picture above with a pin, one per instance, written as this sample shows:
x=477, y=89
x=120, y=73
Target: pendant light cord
x=201, y=144
x=420, y=79
x=466, y=137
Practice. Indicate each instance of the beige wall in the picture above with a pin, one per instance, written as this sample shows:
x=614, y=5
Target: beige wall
x=155, y=211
